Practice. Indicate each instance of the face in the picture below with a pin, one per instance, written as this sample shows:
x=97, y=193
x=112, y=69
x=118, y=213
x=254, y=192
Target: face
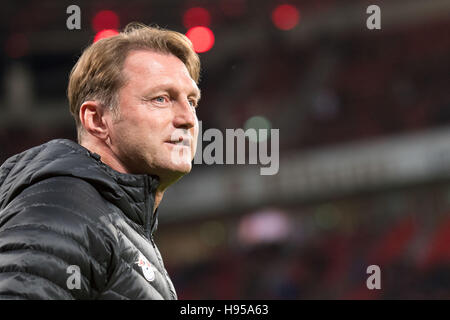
x=157, y=127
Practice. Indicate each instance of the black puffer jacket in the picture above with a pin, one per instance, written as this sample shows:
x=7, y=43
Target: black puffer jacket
x=62, y=211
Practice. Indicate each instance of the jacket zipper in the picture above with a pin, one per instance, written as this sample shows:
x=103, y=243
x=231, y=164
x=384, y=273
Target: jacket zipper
x=158, y=255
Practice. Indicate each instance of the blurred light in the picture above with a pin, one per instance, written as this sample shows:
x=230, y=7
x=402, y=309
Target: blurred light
x=105, y=34
x=233, y=8
x=105, y=19
x=258, y=122
x=285, y=17
x=16, y=45
x=195, y=17
x=202, y=38
x=264, y=227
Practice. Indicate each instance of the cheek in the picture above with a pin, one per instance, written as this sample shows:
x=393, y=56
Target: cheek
x=142, y=125
x=131, y=133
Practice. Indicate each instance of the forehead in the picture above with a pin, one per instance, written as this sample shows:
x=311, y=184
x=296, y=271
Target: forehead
x=146, y=64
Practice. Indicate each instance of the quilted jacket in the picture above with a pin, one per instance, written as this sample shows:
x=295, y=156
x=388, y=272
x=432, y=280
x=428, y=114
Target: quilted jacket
x=71, y=227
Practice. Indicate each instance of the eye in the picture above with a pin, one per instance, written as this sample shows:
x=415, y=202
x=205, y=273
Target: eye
x=193, y=103
x=160, y=99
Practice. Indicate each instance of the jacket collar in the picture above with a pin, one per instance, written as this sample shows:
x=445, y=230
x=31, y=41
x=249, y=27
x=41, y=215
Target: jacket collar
x=134, y=194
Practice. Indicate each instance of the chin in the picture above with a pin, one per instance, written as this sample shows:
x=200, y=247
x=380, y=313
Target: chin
x=182, y=164
x=182, y=168
x=170, y=175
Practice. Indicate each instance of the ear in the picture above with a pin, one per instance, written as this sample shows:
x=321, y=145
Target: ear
x=93, y=118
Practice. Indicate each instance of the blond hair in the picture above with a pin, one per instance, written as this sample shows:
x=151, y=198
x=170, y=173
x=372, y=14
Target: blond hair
x=97, y=75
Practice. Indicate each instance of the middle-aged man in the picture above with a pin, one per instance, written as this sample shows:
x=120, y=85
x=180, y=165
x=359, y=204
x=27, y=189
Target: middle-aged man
x=77, y=219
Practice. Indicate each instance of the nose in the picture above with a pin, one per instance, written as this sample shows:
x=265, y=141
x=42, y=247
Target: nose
x=185, y=116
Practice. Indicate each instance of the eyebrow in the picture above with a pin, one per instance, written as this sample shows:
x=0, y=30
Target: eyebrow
x=167, y=87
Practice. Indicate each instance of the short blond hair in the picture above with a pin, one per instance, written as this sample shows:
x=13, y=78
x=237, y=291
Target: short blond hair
x=97, y=75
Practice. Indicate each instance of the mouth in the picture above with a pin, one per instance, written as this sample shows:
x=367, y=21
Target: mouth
x=182, y=142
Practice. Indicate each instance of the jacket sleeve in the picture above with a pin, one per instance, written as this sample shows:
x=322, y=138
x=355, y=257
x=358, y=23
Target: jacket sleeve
x=54, y=242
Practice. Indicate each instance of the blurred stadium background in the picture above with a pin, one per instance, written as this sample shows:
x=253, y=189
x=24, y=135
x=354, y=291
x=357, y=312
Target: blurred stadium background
x=364, y=119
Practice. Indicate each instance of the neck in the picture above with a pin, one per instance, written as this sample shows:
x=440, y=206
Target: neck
x=107, y=156
x=158, y=197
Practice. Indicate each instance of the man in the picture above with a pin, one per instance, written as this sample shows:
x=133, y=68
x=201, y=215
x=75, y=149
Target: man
x=76, y=220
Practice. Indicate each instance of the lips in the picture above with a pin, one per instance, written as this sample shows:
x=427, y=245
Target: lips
x=182, y=141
